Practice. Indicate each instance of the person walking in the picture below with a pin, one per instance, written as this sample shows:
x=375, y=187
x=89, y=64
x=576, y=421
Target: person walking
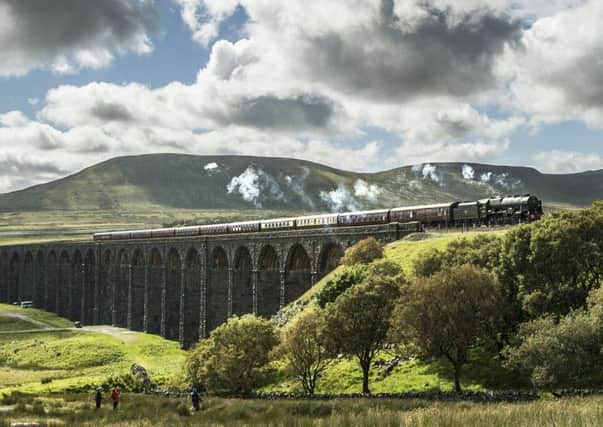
x=115, y=394
x=98, y=397
x=195, y=398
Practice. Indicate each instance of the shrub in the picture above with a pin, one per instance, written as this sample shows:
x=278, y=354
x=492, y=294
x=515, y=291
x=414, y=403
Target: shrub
x=45, y=380
x=231, y=359
x=183, y=410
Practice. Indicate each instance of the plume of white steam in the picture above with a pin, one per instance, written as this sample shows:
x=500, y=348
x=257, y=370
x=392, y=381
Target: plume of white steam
x=340, y=199
x=468, y=172
x=254, y=186
x=210, y=167
x=366, y=191
x=485, y=177
x=431, y=171
x=297, y=184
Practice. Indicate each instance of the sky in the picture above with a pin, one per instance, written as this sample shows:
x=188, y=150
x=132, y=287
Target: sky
x=363, y=85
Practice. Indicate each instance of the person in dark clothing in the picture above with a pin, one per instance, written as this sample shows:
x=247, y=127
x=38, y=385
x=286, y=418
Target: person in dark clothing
x=98, y=397
x=115, y=397
x=195, y=398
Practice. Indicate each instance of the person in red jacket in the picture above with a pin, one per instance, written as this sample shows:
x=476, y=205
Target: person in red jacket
x=115, y=397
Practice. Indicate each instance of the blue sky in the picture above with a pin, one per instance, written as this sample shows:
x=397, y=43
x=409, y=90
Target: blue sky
x=357, y=84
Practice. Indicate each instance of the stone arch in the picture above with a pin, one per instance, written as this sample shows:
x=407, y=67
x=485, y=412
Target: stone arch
x=52, y=277
x=136, y=296
x=242, y=292
x=217, y=289
x=154, y=292
x=192, y=297
x=297, y=273
x=63, y=284
x=269, y=282
x=104, y=298
x=89, y=288
x=14, y=277
x=40, y=272
x=27, y=284
x=172, y=295
x=120, y=297
x=3, y=277
x=329, y=258
x=76, y=285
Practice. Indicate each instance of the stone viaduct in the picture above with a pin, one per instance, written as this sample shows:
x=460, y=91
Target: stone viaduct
x=180, y=288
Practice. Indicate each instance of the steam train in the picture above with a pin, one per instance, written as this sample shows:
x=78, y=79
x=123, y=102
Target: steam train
x=491, y=211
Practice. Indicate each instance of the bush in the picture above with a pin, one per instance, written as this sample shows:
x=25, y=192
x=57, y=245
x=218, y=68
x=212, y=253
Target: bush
x=363, y=252
x=183, y=410
x=559, y=354
x=127, y=382
x=45, y=380
x=231, y=360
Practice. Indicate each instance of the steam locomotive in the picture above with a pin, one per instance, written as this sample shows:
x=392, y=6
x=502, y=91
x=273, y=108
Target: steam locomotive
x=491, y=211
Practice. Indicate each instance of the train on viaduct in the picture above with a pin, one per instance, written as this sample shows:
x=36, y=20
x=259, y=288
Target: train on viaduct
x=178, y=287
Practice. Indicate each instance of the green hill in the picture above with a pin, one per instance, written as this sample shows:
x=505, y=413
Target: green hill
x=175, y=181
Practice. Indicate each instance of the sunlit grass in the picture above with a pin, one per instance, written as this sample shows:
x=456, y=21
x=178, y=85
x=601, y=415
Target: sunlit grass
x=141, y=410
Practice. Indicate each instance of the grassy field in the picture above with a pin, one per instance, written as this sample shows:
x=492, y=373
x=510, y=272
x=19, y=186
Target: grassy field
x=55, y=360
x=141, y=410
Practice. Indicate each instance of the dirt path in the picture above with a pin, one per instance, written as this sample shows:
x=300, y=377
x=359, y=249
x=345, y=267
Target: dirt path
x=121, y=333
x=25, y=318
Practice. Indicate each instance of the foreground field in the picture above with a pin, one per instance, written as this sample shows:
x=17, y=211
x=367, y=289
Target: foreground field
x=141, y=410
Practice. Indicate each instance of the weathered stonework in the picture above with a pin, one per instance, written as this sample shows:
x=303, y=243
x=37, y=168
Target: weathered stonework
x=181, y=288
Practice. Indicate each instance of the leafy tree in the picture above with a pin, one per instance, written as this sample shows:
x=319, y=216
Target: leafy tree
x=563, y=354
x=480, y=251
x=380, y=269
x=344, y=279
x=563, y=262
x=363, y=252
x=230, y=360
x=448, y=313
x=357, y=323
x=384, y=269
x=303, y=345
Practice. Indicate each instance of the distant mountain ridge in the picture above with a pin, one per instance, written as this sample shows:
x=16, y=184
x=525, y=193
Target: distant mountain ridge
x=244, y=182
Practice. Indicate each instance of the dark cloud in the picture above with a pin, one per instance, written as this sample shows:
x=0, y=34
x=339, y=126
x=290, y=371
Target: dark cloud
x=12, y=165
x=270, y=112
x=44, y=30
x=111, y=112
x=441, y=53
x=581, y=81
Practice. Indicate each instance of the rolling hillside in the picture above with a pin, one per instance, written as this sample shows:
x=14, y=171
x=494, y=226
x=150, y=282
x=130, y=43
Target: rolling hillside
x=174, y=181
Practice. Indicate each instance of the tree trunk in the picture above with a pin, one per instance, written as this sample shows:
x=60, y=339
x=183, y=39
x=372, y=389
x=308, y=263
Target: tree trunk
x=457, y=378
x=365, y=379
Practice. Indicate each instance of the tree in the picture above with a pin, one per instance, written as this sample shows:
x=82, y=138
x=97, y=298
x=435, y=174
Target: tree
x=230, y=360
x=363, y=252
x=559, y=354
x=558, y=264
x=347, y=277
x=356, y=324
x=303, y=345
x=448, y=313
x=481, y=251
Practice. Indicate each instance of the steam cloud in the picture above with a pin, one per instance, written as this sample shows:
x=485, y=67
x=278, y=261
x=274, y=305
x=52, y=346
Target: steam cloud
x=340, y=199
x=366, y=191
x=255, y=186
x=468, y=172
x=213, y=166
